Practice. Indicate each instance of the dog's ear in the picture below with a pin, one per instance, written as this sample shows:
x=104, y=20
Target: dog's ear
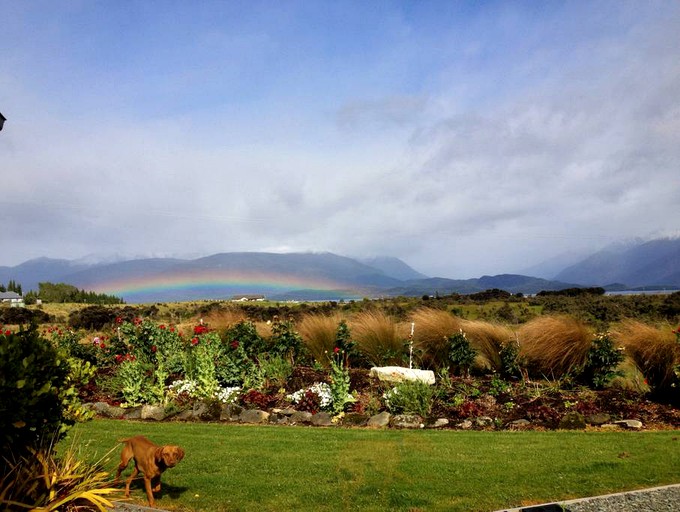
x=158, y=454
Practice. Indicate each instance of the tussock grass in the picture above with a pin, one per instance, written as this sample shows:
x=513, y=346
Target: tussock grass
x=488, y=339
x=377, y=337
x=554, y=345
x=223, y=319
x=432, y=328
x=654, y=351
x=318, y=333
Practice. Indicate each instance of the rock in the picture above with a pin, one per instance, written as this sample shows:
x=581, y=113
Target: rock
x=301, y=417
x=208, y=411
x=379, y=420
x=484, y=421
x=406, y=421
x=399, y=374
x=134, y=413
x=254, y=416
x=230, y=412
x=185, y=415
x=609, y=426
x=288, y=411
x=522, y=422
x=572, y=420
x=629, y=424
x=279, y=419
x=153, y=412
x=322, y=419
x=440, y=423
x=108, y=411
x=465, y=424
x=599, y=418
x=355, y=419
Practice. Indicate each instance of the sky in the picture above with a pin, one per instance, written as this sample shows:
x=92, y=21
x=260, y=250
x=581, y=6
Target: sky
x=464, y=137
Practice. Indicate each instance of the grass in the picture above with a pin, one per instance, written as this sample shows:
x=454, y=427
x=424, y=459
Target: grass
x=319, y=332
x=378, y=338
x=269, y=468
x=554, y=345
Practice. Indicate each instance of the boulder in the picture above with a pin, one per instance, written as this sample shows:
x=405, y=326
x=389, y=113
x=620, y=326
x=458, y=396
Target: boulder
x=108, y=411
x=322, y=419
x=406, y=421
x=380, y=420
x=572, y=420
x=134, y=413
x=629, y=424
x=399, y=374
x=597, y=419
x=301, y=417
x=254, y=416
x=465, y=424
x=520, y=423
x=153, y=412
x=439, y=423
x=484, y=421
x=355, y=419
x=230, y=412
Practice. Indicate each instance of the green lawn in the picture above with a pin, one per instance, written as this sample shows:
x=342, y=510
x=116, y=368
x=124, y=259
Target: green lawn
x=243, y=468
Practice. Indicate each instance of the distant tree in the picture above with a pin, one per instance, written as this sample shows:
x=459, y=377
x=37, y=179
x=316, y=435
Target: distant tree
x=66, y=293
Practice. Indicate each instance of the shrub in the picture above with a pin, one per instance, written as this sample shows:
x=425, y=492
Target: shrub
x=377, y=338
x=286, y=341
x=554, y=346
x=245, y=334
x=432, y=330
x=40, y=481
x=33, y=386
x=655, y=352
x=410, y=397
x=602, y=361
x=461, y=353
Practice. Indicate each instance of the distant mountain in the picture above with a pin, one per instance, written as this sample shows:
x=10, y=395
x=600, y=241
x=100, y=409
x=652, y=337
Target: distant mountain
x=512, y=283
x=393, y=267
x=640, y=264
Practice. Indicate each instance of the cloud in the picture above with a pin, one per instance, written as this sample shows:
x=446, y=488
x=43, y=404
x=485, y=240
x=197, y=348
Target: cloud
x=464, y=140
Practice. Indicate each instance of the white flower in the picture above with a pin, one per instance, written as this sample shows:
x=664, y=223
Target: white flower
x=321, y=389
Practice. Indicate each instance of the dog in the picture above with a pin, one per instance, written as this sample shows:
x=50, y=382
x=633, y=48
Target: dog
x=150, y=459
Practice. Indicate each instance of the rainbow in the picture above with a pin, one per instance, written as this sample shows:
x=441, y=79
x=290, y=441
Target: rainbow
x=212, y=282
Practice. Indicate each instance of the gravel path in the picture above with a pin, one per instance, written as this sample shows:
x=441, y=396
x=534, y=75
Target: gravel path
x=657, y=499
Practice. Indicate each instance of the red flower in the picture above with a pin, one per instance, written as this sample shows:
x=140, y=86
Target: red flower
x=336, y=350
x=102, y=346
x=234, y=344
x=119, y=358
x=172, y=329
x=153, y=348
x=200, y=329
x=194, y=341
x=162, y=327
x=8, y=332
x=119, y=320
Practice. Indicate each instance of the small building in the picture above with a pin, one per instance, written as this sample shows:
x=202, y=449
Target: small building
x=248, y=298
x=13, y=298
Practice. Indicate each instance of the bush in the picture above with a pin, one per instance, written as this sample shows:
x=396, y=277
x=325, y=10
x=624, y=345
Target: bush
x=33, y=376
x=410, y=397
x=488, y=340
x=319, y=335
x=602, y=362
x=377, y=338
x=461, y=353
x=23, y=316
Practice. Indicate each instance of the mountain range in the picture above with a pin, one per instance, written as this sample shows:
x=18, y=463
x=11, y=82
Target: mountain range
x=324, y=276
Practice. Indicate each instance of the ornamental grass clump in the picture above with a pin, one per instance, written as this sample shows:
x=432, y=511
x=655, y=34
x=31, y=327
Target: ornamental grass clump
x=488, y=339
x=377, y=338
x=432, y=328
x=655, y=352
x=318, y=333
x=554, y=347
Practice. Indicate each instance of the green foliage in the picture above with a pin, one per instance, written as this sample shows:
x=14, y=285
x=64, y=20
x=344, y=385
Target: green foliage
x=43, y=482
x=62, y=292
x=340, y=383
x=12, y=286
x=134, y=381
x=410, y=397
x=200, y=359
x=33, y=376
x=286, y=341
x=602, y=361
x=246, y=336
x=511, y=365
x=461, y=353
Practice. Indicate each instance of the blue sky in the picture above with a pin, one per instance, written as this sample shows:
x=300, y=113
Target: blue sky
x=466, y=138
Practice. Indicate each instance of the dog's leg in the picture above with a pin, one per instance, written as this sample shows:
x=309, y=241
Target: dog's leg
x=149, y=492
x=135, y=472
x=156, y=484
x=125, y=457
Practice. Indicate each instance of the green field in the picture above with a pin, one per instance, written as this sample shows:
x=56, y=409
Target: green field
x=275, y=468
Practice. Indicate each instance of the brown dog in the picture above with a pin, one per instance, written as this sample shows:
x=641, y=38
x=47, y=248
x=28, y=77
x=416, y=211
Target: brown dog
x=150, y=459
